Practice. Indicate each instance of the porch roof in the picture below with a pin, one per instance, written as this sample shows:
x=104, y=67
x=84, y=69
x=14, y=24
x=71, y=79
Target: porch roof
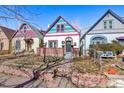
x=120, y=38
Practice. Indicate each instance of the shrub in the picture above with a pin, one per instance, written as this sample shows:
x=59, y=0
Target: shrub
x=115, y=47
x=41, y=43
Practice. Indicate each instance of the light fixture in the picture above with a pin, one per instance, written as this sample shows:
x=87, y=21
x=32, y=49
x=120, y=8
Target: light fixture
x=63, y=42
x=75, y=44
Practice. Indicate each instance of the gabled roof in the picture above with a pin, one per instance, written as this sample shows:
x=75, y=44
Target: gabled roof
x=37, y=31
x=57, y=21
x=108, y=12
x=7, y=31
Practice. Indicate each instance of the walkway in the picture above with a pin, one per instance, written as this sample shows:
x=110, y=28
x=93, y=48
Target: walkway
x=116, y=81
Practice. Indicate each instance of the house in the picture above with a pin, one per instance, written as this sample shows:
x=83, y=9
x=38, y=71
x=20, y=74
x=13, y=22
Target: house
x=62, y=35
x=5, y=39
x=26, y=38
x=108, y=28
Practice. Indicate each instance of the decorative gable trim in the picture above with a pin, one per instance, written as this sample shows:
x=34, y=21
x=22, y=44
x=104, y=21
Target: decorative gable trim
x=35, y=30
x=63, y=35
x=16, y=33
x=57, y=21
x=19, y=30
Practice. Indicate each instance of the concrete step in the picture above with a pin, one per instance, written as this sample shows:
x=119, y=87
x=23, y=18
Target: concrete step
x=68, y=55
x=119, y=83
x=119, y=86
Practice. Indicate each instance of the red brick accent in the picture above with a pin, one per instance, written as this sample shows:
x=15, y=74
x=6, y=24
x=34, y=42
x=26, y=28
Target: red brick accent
x=50, y=51
x=56, y=51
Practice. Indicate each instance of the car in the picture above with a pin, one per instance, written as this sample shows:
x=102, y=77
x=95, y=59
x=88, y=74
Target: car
x=106, y=54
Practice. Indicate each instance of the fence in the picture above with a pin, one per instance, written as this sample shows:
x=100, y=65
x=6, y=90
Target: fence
x=56, y=52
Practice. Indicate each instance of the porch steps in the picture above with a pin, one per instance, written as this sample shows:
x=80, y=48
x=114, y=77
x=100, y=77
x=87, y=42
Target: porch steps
x=117, y=80
x=68, y=56
x=120, y=83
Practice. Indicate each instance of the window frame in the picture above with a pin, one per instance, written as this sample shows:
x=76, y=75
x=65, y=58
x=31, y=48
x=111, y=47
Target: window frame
x=62, y=30
x=53, y=46
x=18, y=47
x=110, y=24
x=105, y=24
x=100, y=39
x=25, y=28
x=59, y=27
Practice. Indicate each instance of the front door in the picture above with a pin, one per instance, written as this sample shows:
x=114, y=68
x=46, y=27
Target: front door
x=68, y=46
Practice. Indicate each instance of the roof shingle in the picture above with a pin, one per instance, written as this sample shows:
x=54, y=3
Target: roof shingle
x=8, y=32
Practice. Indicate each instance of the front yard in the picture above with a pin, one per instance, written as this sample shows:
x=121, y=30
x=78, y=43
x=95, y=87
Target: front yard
x=108, y=66
x=82, y=65
x=81, y=72
x=28, y=61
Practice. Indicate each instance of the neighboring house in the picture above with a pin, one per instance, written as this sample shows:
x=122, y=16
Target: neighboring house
x=61, y=34
x=5, y=39
x=109, y=27
x=26, y=38
x=43, y=32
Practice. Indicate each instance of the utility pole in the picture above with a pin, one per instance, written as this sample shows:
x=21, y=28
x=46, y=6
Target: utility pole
x=44, y=52
x=100, y=62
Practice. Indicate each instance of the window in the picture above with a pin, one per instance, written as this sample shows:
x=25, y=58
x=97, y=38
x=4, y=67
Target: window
x=60, y=27
x=1, y=45
x=53, y=44
x=98, y=40
x=105, y=24
x=110, y=24
x=25, y=28
x=18, y=45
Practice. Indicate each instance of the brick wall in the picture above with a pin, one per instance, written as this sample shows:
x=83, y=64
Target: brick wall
x=56, y=51
x=50, y=51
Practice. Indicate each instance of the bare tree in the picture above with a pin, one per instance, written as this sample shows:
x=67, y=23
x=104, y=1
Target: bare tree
x=16, y=13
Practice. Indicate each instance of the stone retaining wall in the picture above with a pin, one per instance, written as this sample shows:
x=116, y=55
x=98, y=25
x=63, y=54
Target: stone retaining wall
x=79, y=79
x=87, y=80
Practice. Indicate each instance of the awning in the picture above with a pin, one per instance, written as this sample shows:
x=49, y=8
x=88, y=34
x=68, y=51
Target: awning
x=29, y=41
x=120, y=38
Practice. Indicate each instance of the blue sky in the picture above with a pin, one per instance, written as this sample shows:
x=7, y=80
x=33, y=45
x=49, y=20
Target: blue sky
x=85, y=15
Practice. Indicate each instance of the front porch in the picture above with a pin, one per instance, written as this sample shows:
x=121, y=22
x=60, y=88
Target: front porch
x=24, y=45
x=28, y=44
